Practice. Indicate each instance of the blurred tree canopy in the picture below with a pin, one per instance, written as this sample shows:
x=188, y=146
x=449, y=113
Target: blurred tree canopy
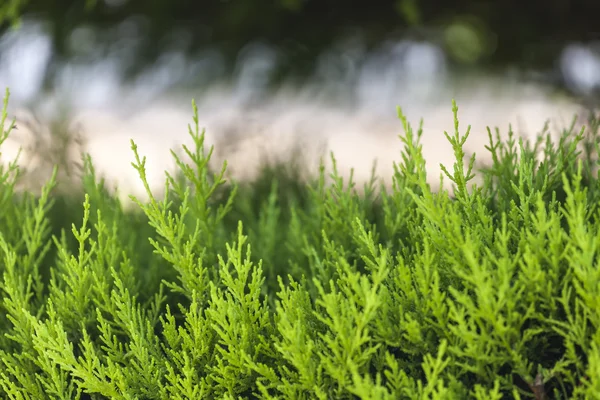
x=496, y=32
x=10, y=10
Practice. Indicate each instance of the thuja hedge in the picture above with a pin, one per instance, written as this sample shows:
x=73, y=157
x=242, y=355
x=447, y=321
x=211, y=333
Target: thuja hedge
x=290, y=290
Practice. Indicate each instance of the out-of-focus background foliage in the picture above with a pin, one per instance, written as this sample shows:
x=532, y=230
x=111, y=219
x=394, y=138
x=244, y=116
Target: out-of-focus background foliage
x=494, y=31
x=483, y=34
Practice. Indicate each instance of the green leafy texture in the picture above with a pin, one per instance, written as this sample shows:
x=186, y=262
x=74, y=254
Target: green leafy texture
x=300, y=288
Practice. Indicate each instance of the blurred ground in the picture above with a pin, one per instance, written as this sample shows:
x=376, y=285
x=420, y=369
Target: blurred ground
x=277, y=128
x=347, y=105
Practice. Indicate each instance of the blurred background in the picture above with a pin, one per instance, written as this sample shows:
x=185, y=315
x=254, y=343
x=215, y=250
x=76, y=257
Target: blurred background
x=305, y=67
x=96, y=47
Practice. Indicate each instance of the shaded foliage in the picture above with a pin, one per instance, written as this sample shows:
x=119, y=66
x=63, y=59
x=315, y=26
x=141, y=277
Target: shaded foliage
x=300, y=29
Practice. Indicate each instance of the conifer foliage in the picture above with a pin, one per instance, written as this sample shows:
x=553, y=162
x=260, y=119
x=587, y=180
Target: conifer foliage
x=287, y=290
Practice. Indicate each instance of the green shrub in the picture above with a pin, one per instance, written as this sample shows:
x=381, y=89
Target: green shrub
x=281, y=289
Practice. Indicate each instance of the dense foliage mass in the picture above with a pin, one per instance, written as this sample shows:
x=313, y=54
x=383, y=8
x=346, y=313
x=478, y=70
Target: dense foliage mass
x=282, y=289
